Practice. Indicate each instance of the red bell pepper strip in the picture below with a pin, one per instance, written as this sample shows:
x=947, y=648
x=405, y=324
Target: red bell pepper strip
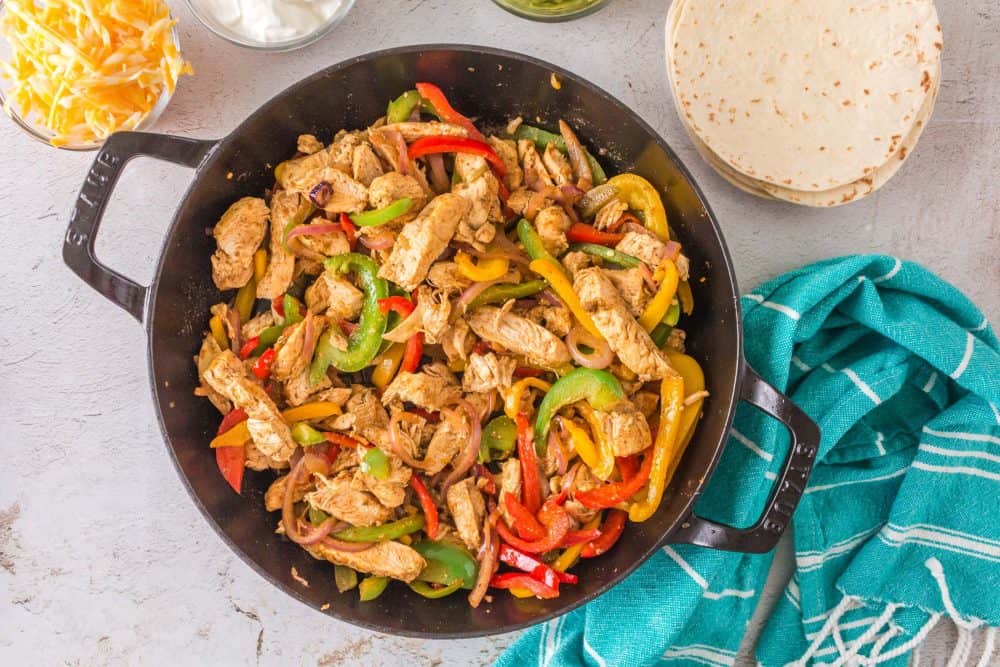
x=611, y=530
x=524, y=581
x=427, y=145
x=528, y=372
x=431, y=417
x=580, y=537
x=581, y=233
x=231, y=460
x=262, y=367
x=525, y=523
x=481, y=347
x=557, y=524
x=249, y=347
x=412, y=353
x=435, y=97
x=536, y=568
x=489, y=485
x=397, y=304
x=341, y=440
x=628, y=466
x=427, y=505
x=278, y=306
x=532, y=485
x=609, y=495
x=350, y=230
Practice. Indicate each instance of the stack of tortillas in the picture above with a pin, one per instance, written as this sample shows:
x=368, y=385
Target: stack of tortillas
x=816, y=102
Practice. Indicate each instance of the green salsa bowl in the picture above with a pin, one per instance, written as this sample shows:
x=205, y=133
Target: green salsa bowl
x=551, y=10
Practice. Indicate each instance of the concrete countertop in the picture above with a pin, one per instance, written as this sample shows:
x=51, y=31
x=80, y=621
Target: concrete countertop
x=105, y=560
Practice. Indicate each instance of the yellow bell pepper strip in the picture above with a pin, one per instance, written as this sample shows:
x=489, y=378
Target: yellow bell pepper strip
x=551, y=270
x=605, y=454
x=599, y=388
x=386, y=365
x=218, y=332
x=582, y=444
x=694, y=382
x=685, y=297
x=512, y=401
x=658, y=306
x=570, y=556
x=483, y=270
x=666, y=449
x=239, y=433
x=641, y=196
x=246, y=297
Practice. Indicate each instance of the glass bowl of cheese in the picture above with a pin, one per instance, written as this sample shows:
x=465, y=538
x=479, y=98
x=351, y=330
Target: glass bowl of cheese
x=73, y=72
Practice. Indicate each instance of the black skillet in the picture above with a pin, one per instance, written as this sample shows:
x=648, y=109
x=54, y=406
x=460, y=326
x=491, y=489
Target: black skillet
x=492, y=85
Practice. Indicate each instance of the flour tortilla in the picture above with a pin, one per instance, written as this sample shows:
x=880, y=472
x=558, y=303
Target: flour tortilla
x=784, y=103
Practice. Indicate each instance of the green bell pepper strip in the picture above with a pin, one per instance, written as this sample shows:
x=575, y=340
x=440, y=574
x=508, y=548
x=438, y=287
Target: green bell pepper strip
x=599, y=388
x=345, y=578
x=424, y=589
x=382, y=215
x=661, y=332
x=503, y=293
x=500, y=435
x=306, y=435
x=532, y=242
x=372, y=587
x=383, y=533
x=541, y=138
x=364, y=343
x=607, y=254
x=270, y=335
x=374, y=462
x=446, y=563
x=401, y=108
x=317, y=516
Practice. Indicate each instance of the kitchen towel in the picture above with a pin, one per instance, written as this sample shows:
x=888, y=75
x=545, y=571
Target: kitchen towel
x=900, y=523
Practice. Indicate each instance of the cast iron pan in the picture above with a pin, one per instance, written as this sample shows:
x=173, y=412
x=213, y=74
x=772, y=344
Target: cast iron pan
x=493, y=85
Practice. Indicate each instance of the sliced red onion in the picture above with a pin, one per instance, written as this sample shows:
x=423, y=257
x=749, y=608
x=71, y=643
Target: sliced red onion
x=638, y=229
x=308, y=338
x=439, y=177
x=321, y=193
x=571, y=192
x=307, y=465
x=601, y=357
x=343, y=545
x=315, y=229
x=488, y=557
x=647, y=276
x=468, y=457
x=401, y=149
x=550, y=298
x=567, y=481
x=514, y=254
x=672, y=250
x=381, y=241
x=555, y=444
x=474, y=290
x=235, y=329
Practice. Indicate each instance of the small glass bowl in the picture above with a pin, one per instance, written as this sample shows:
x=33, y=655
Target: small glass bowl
x=45, y=135
x=223, y=31
x=575, y=9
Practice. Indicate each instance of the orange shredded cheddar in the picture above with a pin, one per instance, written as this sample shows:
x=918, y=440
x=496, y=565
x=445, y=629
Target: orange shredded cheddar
x=83, y=69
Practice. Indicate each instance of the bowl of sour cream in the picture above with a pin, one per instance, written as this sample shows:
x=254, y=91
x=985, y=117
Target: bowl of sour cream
x=270, y=25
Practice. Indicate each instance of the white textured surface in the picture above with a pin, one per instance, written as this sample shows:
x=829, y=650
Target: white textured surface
x=103, y=559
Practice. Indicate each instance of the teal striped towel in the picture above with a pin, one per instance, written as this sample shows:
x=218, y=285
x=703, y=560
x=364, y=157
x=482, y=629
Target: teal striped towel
x=899, y=526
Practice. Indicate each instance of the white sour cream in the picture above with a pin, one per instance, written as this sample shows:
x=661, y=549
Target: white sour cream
x=271, y=21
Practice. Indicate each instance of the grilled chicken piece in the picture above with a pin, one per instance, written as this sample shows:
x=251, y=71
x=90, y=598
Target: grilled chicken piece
x=552, y=224
x=584, y=481
x=390, y=491
x=308, y=144
x=345, y=497
x=576, y=261
x=609, y=213
x=255, y=325
x=467, y=508
x=332, y=166
x=450, y=438
x=625, y=429
x=255, y=459
x=507, y=150
x=335, y=296
x=457, y=343
x=383, y=559
x=389, y=187
x=300, y=390
x=238, y=234
x=644, y=247
x=274, y=497
x=631, y=285
x=210, y=350
x=625, y=336
x=423, y=240
x=646, y=402
x=227, y=375
x=520, y=336
x=510, y=483
x=321, y=246
x=479, y=186
x=486, y=372
x=285, y=207
x=432, y=388
x=556, y=319
x=447, y=277
x=536, y=176
x=363, y=413
x=518, y=200
x=341, y=150
x=557, y=165
x=295, y=346
x=412, y=131
x=365, y=165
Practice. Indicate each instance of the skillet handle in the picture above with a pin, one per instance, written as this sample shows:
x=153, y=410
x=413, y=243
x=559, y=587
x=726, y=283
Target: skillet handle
x=78, y=245
x=764, y=535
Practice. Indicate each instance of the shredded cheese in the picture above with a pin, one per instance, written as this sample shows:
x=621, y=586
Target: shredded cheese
x=83, y=69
